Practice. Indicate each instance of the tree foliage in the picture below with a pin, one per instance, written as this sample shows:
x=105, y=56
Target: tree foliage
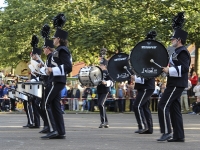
x=117, y=25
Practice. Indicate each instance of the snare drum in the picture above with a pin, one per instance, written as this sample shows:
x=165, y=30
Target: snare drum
x=21, y=96
x=33, y=88
x=11, y=94
x=19, y=87
x=90, y=76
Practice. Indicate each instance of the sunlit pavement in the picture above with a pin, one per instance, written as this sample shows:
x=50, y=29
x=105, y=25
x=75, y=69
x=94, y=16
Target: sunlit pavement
x=82, y=133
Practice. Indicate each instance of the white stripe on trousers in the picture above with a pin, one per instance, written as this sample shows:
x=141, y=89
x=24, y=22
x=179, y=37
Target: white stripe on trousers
x=165, y=121
x=29, y=114
x=104, y=108
x=139, y=109
x=50, y=125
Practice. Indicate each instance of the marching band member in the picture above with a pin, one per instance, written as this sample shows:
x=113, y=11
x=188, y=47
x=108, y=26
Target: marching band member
x=48, y=48
x=36, y=77
x=103, y=91
x=62, y=65
x=177, y=80
x=145, y=88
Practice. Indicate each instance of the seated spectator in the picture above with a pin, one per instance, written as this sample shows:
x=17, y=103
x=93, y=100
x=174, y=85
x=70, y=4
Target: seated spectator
x=19, y=106
x=6, y=105
x=195, y=107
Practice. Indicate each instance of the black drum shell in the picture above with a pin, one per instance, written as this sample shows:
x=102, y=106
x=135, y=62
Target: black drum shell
x=142, y=53
x=116, y=68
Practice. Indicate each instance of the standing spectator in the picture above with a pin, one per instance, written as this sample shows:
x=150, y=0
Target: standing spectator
x=2, y=85
x=63, y=96
x=94, y=100
x=184, y=97
x=85, y=95
x=194, y=81
x=76, y=96
x=69, y=94
x=1, y=75
x=191, y=70
x=5, y=90
x=131, y=93
x=154, y=97
x=121, y=93
x=12, y=100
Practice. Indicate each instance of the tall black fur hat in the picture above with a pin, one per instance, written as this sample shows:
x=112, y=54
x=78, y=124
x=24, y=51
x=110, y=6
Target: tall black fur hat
x=58, y=22
x=177, y=24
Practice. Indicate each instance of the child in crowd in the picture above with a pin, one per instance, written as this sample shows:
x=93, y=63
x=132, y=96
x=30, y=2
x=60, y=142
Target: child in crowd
x=20, y=106
x=195, y=107
x=6, y=105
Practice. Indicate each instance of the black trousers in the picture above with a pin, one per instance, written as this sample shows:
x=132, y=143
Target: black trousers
x=42, y=111
x=132, y=100
x=141, y=109
x=53, y=108
x=12, y=104
x=101, y=101
x=29, y=111
x=36, y=110
x=169, y=107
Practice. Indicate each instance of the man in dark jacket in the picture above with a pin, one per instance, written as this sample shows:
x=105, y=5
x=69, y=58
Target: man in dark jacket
x=169, y=105
x=103, y=90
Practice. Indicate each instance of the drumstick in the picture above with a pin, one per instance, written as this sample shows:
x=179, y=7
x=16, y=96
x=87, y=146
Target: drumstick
x=38, y=57
x=125, y=67
x=163, y=74
x=152, y=61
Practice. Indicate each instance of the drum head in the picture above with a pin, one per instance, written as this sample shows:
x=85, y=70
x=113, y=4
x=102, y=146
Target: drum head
x=141, y=55
x=116, y=67
x=96, y=75
x=90, y=76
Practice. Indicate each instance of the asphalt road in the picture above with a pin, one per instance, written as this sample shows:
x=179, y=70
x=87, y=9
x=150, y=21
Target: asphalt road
x=82, y=133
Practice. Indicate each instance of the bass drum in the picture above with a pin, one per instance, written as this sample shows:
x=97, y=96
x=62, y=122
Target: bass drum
x=118, y=66
x=90, y=76
x=141, y=55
